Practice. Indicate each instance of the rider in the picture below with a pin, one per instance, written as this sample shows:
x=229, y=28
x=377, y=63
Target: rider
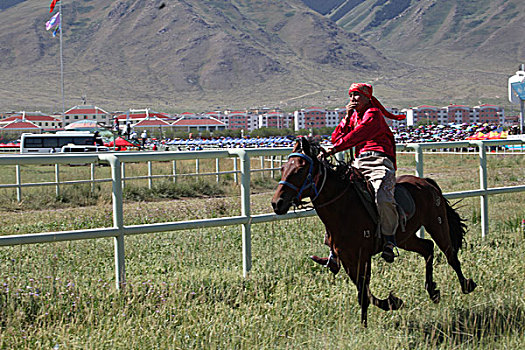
x=365, y=128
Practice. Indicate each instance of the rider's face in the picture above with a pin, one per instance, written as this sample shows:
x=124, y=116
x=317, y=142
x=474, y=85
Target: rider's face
x=358, y=101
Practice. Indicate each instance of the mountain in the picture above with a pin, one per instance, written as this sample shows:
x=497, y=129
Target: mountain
x=178, y=55
x=484, y=35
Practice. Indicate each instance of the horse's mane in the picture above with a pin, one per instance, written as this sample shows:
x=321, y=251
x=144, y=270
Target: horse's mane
x=340, y=169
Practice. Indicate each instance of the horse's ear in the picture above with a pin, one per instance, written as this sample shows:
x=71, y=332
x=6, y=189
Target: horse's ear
x=305, y=145
x=297, y=145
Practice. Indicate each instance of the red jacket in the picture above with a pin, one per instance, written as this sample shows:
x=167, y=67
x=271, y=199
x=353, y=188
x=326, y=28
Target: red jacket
x=371, y=133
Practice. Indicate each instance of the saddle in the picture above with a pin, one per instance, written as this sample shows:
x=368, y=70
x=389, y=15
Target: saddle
x=405, y=204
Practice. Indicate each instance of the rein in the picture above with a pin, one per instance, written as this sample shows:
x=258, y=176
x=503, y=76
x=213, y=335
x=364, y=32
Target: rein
x=333, y=200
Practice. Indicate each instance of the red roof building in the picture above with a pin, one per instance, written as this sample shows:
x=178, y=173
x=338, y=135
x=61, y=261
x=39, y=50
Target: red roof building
x=196, y=124
x=152, y=122
x=136, y=115
x=279, y=120
x=491, y=114
x=242, y=120
x=19, y=124
x=86, y=112
x=219, y=116
x=310, y=118
x=39, y=119
x=457, y=114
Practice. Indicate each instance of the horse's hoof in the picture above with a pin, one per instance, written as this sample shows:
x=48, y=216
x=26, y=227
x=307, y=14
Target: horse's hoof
x=468, y=286
x=436, y=296
x=327, y=262
x=394, y=302
x=320, y=261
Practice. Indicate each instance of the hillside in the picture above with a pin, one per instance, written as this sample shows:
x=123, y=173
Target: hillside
x=484, y=34
x=195, y=55
x=178, y=54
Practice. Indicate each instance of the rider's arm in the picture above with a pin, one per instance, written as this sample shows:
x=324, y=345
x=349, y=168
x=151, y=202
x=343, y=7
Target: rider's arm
x=368, y=128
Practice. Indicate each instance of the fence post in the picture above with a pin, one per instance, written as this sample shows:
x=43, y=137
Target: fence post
x=174, y=171
x=57, y=180
x=484, y=204
x=197, y=167
x=92, y=177
x=246, y=212
x=18, y=183
x=262, y=167
x=235, y=179
x=218, y=168
x=419, y=160
x=123, y=173
x=419, y=172
x=150, y=172
x=272, y=165
x=118, y=219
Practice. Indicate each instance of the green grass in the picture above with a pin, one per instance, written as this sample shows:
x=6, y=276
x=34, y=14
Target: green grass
x=185, y=289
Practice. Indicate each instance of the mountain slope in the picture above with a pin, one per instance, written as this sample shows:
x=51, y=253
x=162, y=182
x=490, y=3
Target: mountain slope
x=455, y=32
x=178, y=54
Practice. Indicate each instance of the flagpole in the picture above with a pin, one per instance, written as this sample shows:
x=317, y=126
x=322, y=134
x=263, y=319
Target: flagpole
x=61, y=59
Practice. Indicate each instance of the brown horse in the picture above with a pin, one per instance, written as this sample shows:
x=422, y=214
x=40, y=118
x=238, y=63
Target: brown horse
x=351, y=229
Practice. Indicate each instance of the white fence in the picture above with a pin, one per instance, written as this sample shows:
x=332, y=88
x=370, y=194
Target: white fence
x=245, y=219
x=19, y=184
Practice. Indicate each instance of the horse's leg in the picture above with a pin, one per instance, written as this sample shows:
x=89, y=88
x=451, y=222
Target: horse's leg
x=389, y=304
x=360, y=275
x=439, y=231
x=425, y=248
x=358, y=270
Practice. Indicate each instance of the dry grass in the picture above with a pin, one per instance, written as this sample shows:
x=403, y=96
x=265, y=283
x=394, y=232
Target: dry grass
x=185, y=289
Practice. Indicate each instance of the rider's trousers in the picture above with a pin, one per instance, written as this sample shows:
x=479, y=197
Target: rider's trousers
x=381, y=173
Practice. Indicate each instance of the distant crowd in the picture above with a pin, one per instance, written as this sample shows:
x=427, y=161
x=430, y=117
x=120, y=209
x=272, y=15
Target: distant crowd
x=454, y=132
x=404, y=134
x=131, y=140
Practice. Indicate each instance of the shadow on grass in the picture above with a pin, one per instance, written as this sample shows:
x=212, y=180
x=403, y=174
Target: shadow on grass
x=487, y=324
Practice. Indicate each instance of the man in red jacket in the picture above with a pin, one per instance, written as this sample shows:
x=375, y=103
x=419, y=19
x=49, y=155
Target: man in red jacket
x=365, y=128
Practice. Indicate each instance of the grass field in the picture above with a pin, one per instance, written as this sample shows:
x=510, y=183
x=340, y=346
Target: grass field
x=186, y=291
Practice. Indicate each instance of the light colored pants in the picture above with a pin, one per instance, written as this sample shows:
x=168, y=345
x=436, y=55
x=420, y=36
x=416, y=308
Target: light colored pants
x=380, y=172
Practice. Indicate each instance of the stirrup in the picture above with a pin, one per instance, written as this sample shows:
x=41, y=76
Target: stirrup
x=388, y=253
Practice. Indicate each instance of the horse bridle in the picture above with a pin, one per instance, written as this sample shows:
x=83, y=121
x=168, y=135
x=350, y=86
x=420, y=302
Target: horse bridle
x=308, y=181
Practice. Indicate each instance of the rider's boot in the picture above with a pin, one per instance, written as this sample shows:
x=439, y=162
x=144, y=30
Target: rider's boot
x=388, y=248
x=330, y=262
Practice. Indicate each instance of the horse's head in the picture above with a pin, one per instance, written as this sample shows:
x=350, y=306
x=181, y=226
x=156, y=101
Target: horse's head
x=297, y=177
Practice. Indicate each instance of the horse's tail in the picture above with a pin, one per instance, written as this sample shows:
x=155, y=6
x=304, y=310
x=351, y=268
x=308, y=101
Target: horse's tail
x=456, y=224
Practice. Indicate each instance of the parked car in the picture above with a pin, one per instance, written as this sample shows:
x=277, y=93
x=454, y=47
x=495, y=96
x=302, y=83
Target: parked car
x=71, y=148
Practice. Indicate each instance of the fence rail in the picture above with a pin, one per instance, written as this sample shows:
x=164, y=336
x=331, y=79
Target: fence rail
x=246, y=219
x=150, y=177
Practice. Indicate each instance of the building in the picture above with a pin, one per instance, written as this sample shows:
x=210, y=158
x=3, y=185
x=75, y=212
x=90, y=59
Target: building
x=13, y=129
x=242, y=120
x=316, y=117
x=86, y=112
x=276, y=119
x=219, y=116
x=491, y=114
x=310, y=118
x=196, y=124
x=41, y=120
x=456, y=114
x=136, y=115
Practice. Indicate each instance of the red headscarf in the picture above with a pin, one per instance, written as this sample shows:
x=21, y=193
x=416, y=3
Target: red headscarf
x=366, y=89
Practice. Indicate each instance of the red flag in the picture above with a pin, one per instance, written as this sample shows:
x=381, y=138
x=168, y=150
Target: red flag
x=52, y=6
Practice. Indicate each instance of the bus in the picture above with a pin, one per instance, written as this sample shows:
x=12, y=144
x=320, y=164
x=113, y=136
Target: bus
x=51, y=143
